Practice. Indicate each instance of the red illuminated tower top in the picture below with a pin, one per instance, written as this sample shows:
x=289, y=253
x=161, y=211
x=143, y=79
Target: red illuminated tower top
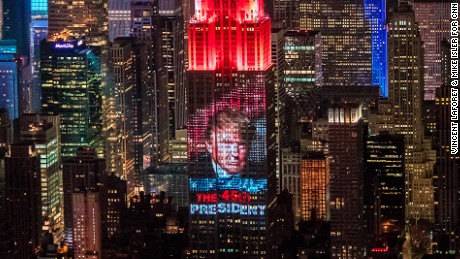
x=229, y=34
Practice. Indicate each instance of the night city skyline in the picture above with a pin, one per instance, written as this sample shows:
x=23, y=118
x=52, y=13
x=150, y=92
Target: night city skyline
x=228, y=129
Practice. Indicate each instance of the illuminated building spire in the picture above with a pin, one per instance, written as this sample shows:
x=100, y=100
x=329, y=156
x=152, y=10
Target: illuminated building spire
x=229, y=34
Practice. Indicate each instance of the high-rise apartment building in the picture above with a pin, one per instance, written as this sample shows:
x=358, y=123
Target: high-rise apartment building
x=23, y=199
x=9, y=78
x=347, y=46
x=46, y=139
x=433, y=18
x=345, y=136
x=231, y=126
x=71, y=86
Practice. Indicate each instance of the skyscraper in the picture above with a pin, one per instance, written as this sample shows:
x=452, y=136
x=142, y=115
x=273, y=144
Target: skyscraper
x=280, y=92
x=9, y=78
x=231, y=124
x=446, y=235
x=121, y=147
x=86, y=20
x=83, y=172
x=23, y=203
x=303, y=75
x=86, y=213
x=71, y=86
x=1, y=19
x=384, y=184
x=375, y=11
x=345, y=135
x=114, y=201
x=405, y=95
x=39, y=31
x=144, y=17
x=173, y=59
x=347, y=46
x=433, y=18
x=145, y=30
x=16, y=19
x=46, y=139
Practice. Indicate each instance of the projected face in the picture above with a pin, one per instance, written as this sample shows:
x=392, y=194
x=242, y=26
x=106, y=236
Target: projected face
x=228, y=140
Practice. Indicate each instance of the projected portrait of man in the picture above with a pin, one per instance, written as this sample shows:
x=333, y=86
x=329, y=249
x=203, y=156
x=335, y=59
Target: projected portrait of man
x=228, y=139
x=225, y=164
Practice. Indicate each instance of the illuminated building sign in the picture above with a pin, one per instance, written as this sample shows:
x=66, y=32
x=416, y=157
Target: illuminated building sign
x=64, y=45
x=234, y=208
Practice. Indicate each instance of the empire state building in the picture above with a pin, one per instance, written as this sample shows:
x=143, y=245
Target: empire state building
x=231, y=130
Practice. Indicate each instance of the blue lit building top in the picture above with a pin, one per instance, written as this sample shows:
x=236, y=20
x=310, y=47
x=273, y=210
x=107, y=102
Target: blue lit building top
x=9, y=78
x=39, y=9
x=375, y=11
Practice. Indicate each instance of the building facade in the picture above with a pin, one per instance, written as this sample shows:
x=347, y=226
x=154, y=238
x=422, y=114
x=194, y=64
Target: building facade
x=23, y=199
x=314, y=187
x=71, y=86
x=231, y=124
x=46, y=139
x=433, y=18
x=446, y=179
x=347, y=46
x=86, y=214
x=405, y=96
x=345, y=136
x=384, y=185
x=9, y=78
x=83, y=172
x=119, y=18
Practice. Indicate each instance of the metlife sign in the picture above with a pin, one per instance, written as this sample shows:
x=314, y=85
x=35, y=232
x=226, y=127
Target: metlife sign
x=454, y=93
